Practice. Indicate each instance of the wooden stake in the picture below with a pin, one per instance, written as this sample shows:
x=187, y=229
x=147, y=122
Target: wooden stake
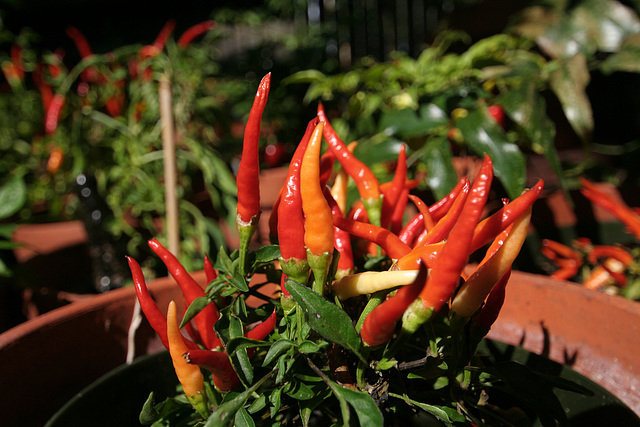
x=170, y=168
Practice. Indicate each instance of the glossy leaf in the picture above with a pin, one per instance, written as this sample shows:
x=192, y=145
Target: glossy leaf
x=325, y=317
x=243, y=419
x=13, y=195
x=363, y=404
x=446, y=414
x=438, y=157
x=194, y=308
x=483, y=135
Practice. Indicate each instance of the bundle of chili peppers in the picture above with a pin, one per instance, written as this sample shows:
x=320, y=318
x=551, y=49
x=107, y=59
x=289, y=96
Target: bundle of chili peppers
x=372, y=305
x=607, y=268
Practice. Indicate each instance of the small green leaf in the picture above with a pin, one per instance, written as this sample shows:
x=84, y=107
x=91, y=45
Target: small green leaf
x=267, y=253
x=276, y=349
x=445, y=414
x=194, y=308
x=258, y=404
x=438, y=157
x=366, y=409
x=275, y=398
x=149, y=414
x=326, y=318
x=13, y=196
x=243, y=419
x=483, y=135
x=308, y=347
x=298, y=390
x=240, y=343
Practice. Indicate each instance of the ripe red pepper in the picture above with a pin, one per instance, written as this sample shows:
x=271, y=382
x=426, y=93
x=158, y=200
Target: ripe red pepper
x=491, y=309
x=620, y=209
x=156, y=318
x=192, y=32
x=342, y=241
x=191, y=290
x=392, y=195
x=497, y=113
x=397, y=216
x=411, y=230
x=610, y=251
x=445, y=274
x=365, y=180
x=248, y=178
x=218, y=363
x=380, y=324
x=566, y=258
x=389, y=242
x=52, y=115
x=209, y=271
x=16, y=61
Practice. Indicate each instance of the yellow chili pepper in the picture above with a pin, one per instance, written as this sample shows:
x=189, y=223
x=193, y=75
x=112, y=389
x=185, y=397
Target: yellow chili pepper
x=372, y=281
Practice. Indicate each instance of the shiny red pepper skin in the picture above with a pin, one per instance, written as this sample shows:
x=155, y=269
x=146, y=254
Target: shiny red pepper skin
x=397, y=216
x=290, y=216
x=342, y=240
x=248, y=179
x=191, y=290
x=218, y=363
x=412, y=229
x=210, y=272
x=445, y=274
x=393, y=193
x=192, y=32
x=156, y=318
x=382, y=237
x=491, y=309
x=380, y=324
x=444, y=226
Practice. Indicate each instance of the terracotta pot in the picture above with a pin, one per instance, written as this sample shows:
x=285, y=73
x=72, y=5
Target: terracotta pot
x=53, y=356
x=594, y=333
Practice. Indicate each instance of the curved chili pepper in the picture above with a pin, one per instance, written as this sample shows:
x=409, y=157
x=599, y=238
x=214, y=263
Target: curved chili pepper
x=192, y=32
x=379, y=326
x=209, y=271
x=491, y=226
x=397, y=216
x=342, y=242
x=248, y=178
x=262, y=329
x=369, y=282
x=218, y=363
x=339, y=190
x=491, y=309
x=424, y=210
x=445, y=274
x=46, y=93
x=52, y=115
x=82, y=44
x=365, y=180
x=618, y=208
x=17, y=62
x=428, y=254
x=446, y=224
x=610, y=251
x=318, y=224
x=476, y=288
x=565, y=257
x=392, y=195
x=191, y=290
x=442, y=206
x=327, y=160
x=389, y=242
x=189, y=375
x=411, y=230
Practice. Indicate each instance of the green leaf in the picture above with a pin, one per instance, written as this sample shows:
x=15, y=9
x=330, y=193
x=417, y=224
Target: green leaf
x=445, y=414
x=229, y=327
x=268, y=253
x=13, y=196
x=6, y=230
x=325, y=317
x=194, y=308
x=627, y=59
x=437, y=156
x=483, y=135
x=243, y=419
x=239, y=343
x=569, y=83
x=149, y=414
x=277, y=348
x=298, y=390
x=308, y=347
x=365, y=407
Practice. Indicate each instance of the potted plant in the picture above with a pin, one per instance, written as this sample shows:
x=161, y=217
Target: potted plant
x=371, y=337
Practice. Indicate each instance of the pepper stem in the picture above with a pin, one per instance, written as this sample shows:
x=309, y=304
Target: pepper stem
x=200, y=404
x=373, y=207
x=320, y=267
x=245, y=232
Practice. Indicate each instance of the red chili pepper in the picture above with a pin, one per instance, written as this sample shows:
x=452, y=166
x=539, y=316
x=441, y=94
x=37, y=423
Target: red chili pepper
x=411, y=230
x=261, y=330
x=290, y=215
x=342, y=242
x=392, y=195
x=327, y=161
x=397, y=216
x=379, y=326
x=389, y=242
x=490, y=227
x=209, y=271
x=497, y=113
x=445, y=274
x=16, y=61
x=442, y=206
x=424, y=211
x=46, y=93
x=52, y=115
x=192, y=32
x=365, y=180
x=189, y=375
x=428, y=254
x=163, y=35
x=248, y=179
x=491, y=309
x=218, y=363
x=191, y=290
x=618, y=208
x=156, y=318
x=80, y=41
x=444, y=226
x=563, y=256
x=610, y=251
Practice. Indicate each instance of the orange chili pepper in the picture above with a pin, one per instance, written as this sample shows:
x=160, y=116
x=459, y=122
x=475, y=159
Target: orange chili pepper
x=620, y=209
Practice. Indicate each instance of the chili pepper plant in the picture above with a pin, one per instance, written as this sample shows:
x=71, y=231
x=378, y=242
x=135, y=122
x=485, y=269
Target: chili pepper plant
x=378, y=315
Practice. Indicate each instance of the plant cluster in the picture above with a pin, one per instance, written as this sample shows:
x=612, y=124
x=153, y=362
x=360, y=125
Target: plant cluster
x=378, y=317
x=439, y=102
